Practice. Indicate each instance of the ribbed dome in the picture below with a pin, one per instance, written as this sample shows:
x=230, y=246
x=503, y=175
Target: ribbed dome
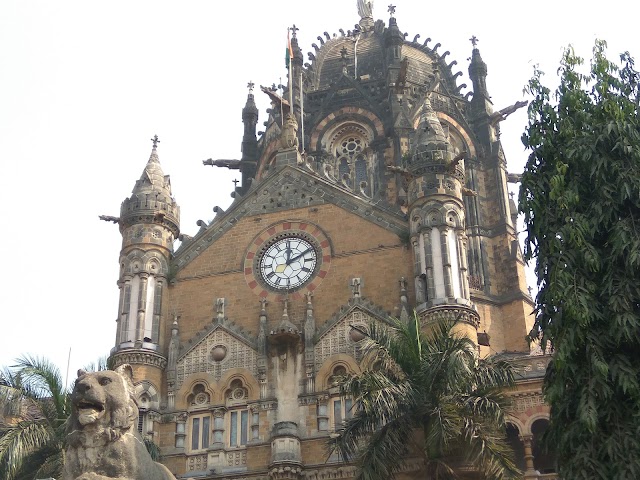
x=334, y=54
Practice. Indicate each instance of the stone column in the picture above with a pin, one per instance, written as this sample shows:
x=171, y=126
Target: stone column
x=530, y=472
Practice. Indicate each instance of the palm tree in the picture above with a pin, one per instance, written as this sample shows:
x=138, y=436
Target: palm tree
x=426, y=393
x=32, y=441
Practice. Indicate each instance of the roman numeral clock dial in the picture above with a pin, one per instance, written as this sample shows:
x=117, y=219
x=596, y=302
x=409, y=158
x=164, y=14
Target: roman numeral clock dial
x=288, y=263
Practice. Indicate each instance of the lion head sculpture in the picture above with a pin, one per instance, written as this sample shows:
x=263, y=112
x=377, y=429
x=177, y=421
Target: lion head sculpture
x=103, y=441
x=104, y=401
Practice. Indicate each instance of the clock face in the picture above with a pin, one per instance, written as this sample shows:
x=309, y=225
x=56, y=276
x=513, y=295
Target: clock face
x=288, y=263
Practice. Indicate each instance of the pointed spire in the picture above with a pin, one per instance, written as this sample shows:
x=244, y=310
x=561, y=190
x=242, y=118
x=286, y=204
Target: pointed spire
x=478, y=71
x=153, y=178
x=152, y=193
x=429, y=129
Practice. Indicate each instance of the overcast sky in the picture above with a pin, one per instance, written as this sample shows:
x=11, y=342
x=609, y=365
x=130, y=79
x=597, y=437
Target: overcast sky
x=86, y=84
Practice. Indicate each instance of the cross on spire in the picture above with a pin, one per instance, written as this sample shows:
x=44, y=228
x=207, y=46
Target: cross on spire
x=391, y=9
x=474, y=40
x=250, y=86
x=235, y=182
x=293, y=29
x=155, y=141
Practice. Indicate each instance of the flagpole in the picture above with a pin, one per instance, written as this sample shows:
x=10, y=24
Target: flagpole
x=291, y=85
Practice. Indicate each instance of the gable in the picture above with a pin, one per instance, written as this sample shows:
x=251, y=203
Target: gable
x=336, y=335
x=288, y=189
x=204, y=356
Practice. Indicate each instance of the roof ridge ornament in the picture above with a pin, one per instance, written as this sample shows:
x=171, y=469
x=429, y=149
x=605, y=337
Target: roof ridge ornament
x=391, y=10
x=365, y=9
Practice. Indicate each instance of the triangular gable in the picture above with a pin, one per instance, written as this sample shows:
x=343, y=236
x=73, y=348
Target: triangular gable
x=335, y=336
x=289, y=188
x=239, y=353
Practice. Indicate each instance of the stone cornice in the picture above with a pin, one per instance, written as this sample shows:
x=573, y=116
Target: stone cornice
x=138, y=357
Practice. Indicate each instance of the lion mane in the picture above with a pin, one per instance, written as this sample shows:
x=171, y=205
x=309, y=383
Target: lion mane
x=103, y=442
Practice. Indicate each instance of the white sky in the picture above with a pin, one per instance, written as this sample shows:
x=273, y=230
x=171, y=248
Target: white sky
x=85, y=84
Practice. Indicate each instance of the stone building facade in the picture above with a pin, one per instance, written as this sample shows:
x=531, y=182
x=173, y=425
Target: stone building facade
x=376, y=189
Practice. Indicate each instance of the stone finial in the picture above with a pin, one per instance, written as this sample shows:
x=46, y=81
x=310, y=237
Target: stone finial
x=220, y=309
x=294, y=30
x=289, y=134
x=251, y=86
x=356, y=283
x=392, y=10
x=155, y=141
x=474, y=40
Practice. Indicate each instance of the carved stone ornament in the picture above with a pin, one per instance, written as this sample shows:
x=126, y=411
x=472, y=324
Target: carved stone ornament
x=289, y=135
x=103, y=441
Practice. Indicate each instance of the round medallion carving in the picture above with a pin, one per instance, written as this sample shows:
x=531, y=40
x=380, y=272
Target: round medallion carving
x=218, y=353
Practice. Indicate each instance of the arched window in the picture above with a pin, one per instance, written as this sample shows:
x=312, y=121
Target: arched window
x=238, y=424
x=354, y=163
x=543, y=460
x=338, y=409
x=200, y=420
x=513, y=439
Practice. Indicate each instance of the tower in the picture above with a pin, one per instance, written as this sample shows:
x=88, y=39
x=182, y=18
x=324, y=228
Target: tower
x=149, y=223
x=377, y=190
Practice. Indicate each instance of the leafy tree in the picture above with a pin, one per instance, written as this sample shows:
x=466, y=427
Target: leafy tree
x=425, y=393
x=580, y=197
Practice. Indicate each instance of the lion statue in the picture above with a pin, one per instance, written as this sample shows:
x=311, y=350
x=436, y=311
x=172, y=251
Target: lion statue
x=103, y=441
x=289, y=133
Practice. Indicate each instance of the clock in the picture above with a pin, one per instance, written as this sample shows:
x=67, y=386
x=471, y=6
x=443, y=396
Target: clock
x=288, y=263
x=286, y=260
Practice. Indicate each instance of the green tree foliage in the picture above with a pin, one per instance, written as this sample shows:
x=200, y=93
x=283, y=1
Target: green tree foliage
x=580, y=197
x=429, y=394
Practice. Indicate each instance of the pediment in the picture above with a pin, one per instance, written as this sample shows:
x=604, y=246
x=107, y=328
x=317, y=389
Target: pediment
x=287, y=188
x=198, y=356
x=335, y=336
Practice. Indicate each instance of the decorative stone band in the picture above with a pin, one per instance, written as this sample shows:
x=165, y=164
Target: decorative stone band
x=454, y=313
x=431, y=162
x=171, y=221
x=138, y=357
x=333, y=472
x=285, y=472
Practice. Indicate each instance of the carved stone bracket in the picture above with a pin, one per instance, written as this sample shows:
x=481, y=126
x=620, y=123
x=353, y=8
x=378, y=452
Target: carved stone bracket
x=454, y=313
x=138, y=357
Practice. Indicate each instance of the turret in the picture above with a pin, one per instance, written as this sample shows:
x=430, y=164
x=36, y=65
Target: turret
x=393, y=40
x=149, y=223
x=437, y=227
x=481, y=105
x=249, y=140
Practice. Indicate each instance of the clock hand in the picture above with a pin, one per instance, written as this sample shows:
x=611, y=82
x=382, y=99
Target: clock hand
x=298, y=256
x=288, y=251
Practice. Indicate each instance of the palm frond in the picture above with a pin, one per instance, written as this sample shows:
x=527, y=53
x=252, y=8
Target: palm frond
x=18, y=442
x=44, y=378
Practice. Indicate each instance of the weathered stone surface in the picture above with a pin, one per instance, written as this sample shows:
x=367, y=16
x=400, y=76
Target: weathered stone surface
x=103, y=440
